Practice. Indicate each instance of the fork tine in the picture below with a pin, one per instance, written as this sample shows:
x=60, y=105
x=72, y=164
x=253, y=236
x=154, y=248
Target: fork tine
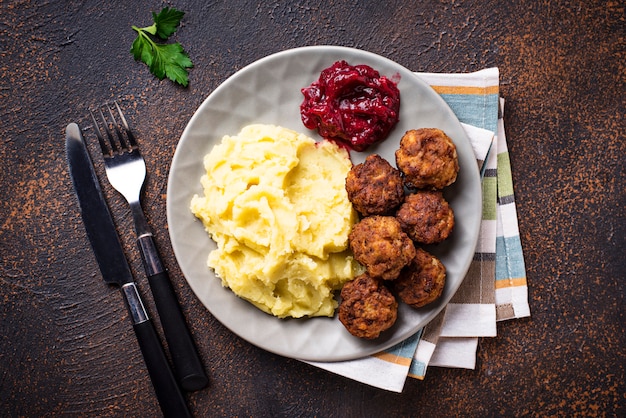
x=129, y=133
x=113, y=136
x=101, y=141
x=116, y=126
x=107, y=129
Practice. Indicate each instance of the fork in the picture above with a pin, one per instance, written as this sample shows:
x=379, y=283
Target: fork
x=126, y=170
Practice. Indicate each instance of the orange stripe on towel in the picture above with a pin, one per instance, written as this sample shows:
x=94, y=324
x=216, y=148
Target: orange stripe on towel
x=518, y=281
x=393, y=358
x=466, y=89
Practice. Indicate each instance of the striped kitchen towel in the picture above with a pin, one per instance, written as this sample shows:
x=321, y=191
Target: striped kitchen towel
x=511, y=286
x=447, y=349
x=451, y=339
x=390, y=368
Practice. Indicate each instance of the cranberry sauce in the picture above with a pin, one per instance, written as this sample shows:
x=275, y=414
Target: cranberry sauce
x=351, y=104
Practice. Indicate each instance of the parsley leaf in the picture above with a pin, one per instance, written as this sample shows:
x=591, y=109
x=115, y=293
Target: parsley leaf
x=163, y=60
x=167, y=21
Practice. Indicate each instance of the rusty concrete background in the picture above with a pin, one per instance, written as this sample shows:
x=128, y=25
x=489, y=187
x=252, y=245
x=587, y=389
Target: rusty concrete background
x=66, y=345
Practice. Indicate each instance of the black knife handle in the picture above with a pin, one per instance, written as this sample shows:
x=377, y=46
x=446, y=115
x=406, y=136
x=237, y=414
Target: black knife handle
x=169, y=395
x=187, y=364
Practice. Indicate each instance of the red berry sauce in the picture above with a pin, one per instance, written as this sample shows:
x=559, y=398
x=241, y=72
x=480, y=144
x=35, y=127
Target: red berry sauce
x=353, y=105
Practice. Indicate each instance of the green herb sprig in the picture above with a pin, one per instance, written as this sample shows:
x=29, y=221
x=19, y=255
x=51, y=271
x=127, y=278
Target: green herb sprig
x=164, y=60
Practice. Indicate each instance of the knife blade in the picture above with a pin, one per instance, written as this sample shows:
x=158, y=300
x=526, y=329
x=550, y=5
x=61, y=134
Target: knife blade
x=115, y=270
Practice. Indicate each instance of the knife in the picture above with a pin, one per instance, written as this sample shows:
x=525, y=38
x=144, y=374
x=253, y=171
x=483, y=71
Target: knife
x=114, y=267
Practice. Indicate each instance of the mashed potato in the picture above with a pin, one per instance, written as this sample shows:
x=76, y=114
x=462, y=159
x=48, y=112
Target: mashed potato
x=276, y=205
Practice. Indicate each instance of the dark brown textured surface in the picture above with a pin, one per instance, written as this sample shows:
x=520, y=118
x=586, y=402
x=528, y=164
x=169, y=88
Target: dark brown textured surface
x=66, y=345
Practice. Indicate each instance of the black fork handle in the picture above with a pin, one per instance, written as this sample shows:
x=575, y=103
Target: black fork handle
x=187, y=364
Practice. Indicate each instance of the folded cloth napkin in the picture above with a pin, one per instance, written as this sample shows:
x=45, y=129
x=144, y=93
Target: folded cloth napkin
x=495, y=286
x=511, y=286
x=447, y=347
x=452, y=340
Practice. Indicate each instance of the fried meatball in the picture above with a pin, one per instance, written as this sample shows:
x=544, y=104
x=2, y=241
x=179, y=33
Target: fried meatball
x=422, y=281
x=426, y=217
x=427, y=157
x=367, y=307
x=374, y=187
x=379, y=243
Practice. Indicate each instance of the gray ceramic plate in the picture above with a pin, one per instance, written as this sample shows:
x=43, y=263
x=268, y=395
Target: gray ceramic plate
x=268, y=91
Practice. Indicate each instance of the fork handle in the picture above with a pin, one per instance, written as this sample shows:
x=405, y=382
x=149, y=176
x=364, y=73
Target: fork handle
x=187, y=364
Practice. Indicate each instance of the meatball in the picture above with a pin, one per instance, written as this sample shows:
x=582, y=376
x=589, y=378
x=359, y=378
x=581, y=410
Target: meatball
x=374, y=187
x=367, y=307
x=427, y=157
x=426, y=217
x=422, y=281
x=379, y=243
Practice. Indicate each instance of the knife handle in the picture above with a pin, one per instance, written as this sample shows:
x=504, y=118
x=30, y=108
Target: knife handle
x=169, y=395
x=187, y=364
